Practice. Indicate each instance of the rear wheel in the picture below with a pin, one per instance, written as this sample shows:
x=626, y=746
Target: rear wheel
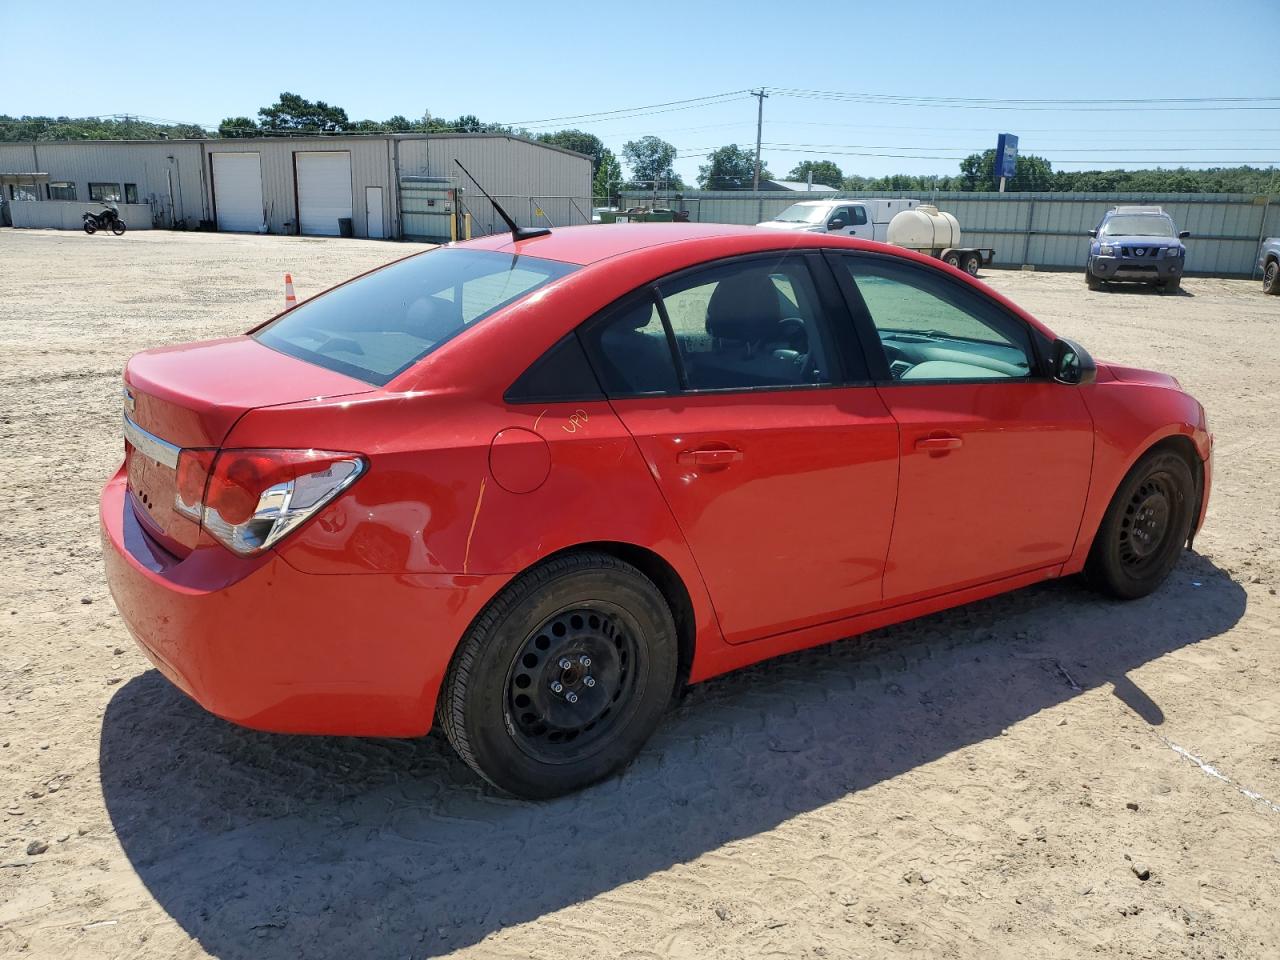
x=1145, y=527
x=118, y=227
x=563, y=678
x=1271, y=278
x=972, y=262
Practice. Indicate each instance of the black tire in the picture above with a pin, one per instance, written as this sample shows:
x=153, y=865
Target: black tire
x=90, y=227
x=1092, y=282
x=1271, y=278
x=1173, y=285
x=972, y=263
x=118, y=227
x=952, y=259
x=499, y=703
x=1145, y=527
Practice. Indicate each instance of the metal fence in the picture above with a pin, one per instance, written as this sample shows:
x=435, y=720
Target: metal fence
x=1046, y=230
x=527, y=211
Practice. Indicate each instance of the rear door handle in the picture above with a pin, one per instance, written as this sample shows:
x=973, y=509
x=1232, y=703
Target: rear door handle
x=939, y=443
x=712, y=457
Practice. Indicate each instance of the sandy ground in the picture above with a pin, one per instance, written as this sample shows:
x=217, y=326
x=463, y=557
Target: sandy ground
x=986, y=782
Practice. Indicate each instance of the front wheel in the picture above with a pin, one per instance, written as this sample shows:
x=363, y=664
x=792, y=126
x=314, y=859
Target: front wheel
x=1271, y=278
x=90, y=227
x=1145, y=527
x=952, y=260
x=563, y=678
x=1173, y=285
x=118, y=227
x=1092, y=282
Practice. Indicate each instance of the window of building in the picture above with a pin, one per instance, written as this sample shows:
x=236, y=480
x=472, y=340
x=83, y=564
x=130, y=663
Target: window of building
x=130, y=193
x=105, y=192
x=23, y=191
x=61, y=190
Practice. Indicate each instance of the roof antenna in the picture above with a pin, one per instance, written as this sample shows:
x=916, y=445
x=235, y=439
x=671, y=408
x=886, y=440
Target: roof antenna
x=517, y=233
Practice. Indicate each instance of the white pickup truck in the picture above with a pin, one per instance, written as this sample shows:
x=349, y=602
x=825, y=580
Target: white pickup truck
x=867, y=219
x=913, y=224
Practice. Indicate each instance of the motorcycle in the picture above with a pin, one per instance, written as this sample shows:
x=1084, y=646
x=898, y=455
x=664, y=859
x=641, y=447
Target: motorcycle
x=108, y=219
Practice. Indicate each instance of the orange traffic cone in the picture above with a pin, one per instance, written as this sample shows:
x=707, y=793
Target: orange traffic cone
x=290, y=298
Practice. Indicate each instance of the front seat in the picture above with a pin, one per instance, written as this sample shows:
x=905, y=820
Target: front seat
x=744, y=314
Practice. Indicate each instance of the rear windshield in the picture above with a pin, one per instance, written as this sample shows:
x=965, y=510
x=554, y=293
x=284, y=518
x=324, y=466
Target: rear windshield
x=378, y=326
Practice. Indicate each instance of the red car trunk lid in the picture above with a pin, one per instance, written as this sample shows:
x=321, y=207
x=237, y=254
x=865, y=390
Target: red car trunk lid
x=191, y=396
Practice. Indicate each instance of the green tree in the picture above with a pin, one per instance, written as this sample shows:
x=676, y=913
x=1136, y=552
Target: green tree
x=650, y=160
x=608, y=179
x=238, y=127
x=730, y=168
x=579, y=141
x=292, y=112
x=978, y=173
x=824, y=172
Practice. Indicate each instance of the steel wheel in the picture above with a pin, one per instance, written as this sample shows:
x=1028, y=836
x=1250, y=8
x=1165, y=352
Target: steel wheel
x=563, y=676
x=953, y=259
x=571, y=683
x=1145, y=529
x=971, y=264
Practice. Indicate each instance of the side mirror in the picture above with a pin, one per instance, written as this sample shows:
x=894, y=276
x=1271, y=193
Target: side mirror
x=1072, y=363
x=835, y=224
x=1183, y=234
x=1093, y=233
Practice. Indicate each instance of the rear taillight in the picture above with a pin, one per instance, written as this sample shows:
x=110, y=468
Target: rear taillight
x=250, y=499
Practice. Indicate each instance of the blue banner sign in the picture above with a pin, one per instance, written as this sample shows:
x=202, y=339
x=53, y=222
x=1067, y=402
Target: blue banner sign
x=1006, y=155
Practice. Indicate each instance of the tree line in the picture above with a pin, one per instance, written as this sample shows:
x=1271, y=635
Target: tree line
x=651, y=160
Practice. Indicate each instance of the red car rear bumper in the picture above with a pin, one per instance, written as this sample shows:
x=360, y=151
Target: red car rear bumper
x=263, y=645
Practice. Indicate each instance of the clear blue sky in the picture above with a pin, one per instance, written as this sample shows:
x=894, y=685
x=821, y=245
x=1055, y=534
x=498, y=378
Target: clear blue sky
x=533, y=61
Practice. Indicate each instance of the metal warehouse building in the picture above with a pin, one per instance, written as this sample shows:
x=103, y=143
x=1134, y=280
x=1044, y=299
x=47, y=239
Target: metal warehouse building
x=395, y=186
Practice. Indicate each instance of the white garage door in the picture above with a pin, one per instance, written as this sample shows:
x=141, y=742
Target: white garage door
x=237, y=191
x=324, y=191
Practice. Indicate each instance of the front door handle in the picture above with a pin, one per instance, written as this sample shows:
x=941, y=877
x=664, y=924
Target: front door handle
x=939, y=443
x=710, y=457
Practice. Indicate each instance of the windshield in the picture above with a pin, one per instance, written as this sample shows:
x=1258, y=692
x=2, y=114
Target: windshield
x=1138, y=225
x=376, y=327
x=802, y=213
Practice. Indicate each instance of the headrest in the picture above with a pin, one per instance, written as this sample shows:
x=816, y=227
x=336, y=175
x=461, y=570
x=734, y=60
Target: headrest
x=744, y=307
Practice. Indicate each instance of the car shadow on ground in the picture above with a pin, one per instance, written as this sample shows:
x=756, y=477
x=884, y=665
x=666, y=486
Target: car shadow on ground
x=1135, y=288
x=265, y=846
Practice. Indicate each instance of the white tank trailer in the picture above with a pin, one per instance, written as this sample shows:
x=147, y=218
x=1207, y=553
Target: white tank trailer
x=928, y=230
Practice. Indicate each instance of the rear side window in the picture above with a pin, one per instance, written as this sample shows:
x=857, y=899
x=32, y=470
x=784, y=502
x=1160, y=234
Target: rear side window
x=378, y=326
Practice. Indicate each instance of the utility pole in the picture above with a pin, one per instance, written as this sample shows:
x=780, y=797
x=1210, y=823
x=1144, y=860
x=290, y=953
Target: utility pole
x=759, y=95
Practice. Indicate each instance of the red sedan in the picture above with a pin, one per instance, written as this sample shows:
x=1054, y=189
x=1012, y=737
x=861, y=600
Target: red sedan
x=530, y=487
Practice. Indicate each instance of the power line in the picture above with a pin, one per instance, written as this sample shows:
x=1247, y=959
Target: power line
x=691, y=101
x=1085, y=101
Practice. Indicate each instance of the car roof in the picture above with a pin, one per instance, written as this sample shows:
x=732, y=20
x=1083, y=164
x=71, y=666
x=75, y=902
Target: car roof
x=586, y=245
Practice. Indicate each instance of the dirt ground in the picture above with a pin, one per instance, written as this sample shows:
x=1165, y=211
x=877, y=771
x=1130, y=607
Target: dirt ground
x=985, y=782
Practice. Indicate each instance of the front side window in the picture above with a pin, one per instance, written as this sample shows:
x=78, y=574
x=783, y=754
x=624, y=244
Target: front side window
x=104, y=192
x=933, y=329
x=64, y=190
x=842, y=214
x=376, y=327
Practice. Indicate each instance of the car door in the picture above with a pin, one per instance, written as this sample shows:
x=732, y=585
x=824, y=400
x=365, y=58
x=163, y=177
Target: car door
x=849, y=221
x=995, y=455
x=741, y=383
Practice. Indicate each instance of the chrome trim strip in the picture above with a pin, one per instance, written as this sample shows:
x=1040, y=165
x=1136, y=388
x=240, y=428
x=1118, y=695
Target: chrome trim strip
x=148, y=444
